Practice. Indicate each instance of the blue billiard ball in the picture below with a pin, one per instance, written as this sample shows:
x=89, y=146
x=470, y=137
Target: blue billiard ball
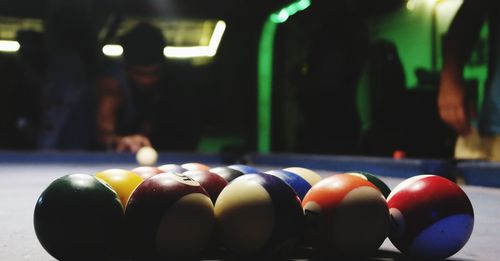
x=299, y=184
x=244, y=168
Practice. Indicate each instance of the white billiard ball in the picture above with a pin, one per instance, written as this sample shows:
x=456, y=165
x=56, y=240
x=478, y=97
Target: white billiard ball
x=146, y=156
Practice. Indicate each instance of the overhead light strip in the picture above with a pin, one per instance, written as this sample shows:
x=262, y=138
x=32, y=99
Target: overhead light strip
x=9, y=46
x=181, y=52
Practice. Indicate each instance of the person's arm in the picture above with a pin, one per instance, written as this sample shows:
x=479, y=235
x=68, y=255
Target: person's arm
x=110, y=98
x=458, y=44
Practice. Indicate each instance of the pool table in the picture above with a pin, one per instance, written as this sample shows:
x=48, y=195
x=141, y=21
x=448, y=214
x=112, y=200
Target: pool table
x=24, y=175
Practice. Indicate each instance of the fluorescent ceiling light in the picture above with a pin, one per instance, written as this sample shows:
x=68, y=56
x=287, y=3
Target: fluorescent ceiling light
x=198, y=51
x=181, y=52
x=112, y=50
x=9, y=46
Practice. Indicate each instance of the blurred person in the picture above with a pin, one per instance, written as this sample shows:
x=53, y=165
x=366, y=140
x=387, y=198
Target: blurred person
x=68, y=95
x=139, y=101
x=477, y=140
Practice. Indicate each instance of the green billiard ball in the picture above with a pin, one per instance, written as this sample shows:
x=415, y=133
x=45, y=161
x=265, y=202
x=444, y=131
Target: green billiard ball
x=78, y=217
x=374, y=180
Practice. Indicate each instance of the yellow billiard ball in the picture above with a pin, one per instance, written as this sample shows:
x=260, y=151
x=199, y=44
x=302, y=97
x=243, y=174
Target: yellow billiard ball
x=122, y=181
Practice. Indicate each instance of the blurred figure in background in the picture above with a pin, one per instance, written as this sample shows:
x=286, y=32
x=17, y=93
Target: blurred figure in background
x=139, y=103
x=23, y=75
x=72, y=65
x=476, y=141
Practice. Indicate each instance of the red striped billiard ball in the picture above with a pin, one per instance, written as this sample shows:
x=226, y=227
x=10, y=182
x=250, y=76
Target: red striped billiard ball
x=432, y=217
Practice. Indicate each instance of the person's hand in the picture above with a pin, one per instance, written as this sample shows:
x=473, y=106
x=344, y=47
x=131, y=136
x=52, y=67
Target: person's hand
x=452, y=106
x=131, y=143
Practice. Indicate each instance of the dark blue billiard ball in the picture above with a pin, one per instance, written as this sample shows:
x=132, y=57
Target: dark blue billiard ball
x=299, y=184
x=227, y=173
x=244, y=168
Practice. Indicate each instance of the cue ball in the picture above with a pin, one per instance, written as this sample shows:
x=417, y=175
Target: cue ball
x=78, y=217
x=146, y=156
x=432, y=217
x=347, y=216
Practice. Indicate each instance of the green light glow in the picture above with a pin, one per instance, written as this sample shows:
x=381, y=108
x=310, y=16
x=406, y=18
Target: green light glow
x=265, y=79
x=265, y=71
x=282, y=15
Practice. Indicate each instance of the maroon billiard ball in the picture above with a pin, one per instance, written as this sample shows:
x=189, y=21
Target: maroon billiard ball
x=147, y=171
x=432, y=217
x=169, y=217
x=211, y=182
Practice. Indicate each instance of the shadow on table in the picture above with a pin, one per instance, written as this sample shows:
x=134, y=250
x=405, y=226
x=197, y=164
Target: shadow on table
x=306, y=254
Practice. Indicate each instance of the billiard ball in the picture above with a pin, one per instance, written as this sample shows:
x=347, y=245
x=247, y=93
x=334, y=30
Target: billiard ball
x=432, y=217
x=169, y=217
x=227, y=173
x=260, y=216
x=122, y=181
x=211, y=182
x=77, y=217
x=299, y=184
x=195, y=166
x=146, y=156
x=311, y=176
x=172, y=168
x=347, y=216
x=146, y=171
x=245, y=169
x=399, y=154
x=373, y=179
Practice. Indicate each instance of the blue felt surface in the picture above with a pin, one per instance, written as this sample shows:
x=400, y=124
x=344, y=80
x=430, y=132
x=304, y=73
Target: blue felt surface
x=480, y=173
x=388, y=167
x=23, y=176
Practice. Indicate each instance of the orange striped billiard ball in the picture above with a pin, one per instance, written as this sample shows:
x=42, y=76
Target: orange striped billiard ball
x=347, y=217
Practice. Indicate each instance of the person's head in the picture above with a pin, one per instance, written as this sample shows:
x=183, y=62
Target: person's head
x=143, y=53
